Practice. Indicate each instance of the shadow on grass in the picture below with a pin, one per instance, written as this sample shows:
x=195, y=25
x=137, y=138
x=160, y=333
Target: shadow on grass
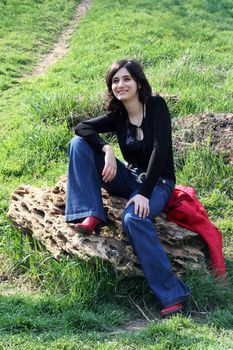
x=38, y=315
x=48, y=323
x=52, y=322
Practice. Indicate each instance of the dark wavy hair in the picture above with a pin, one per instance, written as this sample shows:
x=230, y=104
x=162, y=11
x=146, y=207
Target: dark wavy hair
x=136, y=71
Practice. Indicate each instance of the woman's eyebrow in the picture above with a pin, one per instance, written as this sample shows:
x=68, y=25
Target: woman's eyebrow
x=124, y=76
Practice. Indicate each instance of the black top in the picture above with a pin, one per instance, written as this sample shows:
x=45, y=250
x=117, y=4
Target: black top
x=133, y=147
x=156, y=157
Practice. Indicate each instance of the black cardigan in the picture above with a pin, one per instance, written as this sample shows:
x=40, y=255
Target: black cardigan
x=157, y=157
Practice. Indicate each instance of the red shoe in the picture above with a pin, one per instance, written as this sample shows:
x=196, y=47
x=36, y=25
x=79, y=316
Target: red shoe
x=171, y=310
x=89, y=225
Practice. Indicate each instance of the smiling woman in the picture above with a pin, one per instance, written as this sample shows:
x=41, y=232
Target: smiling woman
x=124, y=86
x=142, y=125
x=125, y=89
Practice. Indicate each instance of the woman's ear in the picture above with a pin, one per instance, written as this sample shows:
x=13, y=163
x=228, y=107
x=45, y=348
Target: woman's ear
x=139, y=86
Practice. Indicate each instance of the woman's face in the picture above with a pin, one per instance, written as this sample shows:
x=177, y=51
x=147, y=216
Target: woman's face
x=124, y=87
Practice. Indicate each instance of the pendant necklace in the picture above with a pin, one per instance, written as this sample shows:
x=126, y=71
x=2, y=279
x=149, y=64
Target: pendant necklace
x=139, y=133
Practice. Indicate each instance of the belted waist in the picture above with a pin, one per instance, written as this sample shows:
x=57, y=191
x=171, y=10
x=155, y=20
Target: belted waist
x=139, y=173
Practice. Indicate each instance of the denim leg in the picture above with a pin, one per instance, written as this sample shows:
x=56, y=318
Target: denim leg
x=123, y=184
x=83, y=195
x=143, y=237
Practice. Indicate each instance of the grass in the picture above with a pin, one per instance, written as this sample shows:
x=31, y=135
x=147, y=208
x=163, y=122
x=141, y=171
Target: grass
x=27, y=31
x=185, y=48
x=39, y=322
x=181, y=59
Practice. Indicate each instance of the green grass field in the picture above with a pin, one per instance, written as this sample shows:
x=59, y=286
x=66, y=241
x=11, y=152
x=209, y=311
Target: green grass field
x=185, y=48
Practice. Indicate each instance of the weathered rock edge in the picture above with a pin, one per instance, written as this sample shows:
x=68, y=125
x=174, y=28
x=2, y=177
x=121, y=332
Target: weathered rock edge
x=41, y=211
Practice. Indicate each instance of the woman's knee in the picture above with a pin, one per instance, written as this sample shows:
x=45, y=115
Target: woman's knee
x=78, y=144
x=130, y=219
x=127, y=219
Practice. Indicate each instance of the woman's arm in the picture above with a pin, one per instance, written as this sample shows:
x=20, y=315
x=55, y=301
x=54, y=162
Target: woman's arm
x=89, y=130
x=110, y=167
x=161, y=144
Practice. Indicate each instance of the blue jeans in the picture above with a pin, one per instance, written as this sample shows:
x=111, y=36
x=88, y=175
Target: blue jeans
x=84, y=199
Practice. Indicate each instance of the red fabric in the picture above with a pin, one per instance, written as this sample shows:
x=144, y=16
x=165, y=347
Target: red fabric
x=185, y=210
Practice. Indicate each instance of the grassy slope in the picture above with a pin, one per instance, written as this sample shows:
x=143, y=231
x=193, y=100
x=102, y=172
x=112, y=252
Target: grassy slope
x=28, y=28
x=185, y=49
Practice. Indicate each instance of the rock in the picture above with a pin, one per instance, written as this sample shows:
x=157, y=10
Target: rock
x=41, y=211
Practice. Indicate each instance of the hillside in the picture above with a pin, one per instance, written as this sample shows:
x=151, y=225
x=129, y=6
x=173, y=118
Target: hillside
x=185, y=48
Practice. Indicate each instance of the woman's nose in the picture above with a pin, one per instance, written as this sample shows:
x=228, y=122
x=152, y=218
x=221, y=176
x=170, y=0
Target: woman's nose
x=120, y=83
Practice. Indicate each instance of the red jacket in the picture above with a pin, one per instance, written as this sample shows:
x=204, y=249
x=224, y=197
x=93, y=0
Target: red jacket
x=185, y=210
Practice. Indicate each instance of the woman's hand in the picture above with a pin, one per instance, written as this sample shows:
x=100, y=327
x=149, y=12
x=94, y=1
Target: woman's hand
x=141, y=205
x=110, y=167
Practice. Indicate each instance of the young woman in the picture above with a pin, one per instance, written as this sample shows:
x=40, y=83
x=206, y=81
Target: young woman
x=142, y=125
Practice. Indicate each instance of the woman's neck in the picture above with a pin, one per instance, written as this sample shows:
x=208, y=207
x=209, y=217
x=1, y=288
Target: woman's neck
x=135, y=112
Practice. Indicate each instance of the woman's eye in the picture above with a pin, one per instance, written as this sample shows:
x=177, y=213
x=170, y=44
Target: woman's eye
x=127, y=79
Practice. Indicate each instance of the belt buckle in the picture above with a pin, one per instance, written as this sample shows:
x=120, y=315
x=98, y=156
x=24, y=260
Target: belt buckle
x=141, y=177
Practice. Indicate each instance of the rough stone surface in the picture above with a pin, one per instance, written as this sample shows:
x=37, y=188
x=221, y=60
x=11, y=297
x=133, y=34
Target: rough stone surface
x=41, y=212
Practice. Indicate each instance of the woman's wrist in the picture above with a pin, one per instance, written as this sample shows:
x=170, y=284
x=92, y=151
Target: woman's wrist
x=107, y=148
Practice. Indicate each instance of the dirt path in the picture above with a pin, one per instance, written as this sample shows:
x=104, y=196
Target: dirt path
x=61, y=47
